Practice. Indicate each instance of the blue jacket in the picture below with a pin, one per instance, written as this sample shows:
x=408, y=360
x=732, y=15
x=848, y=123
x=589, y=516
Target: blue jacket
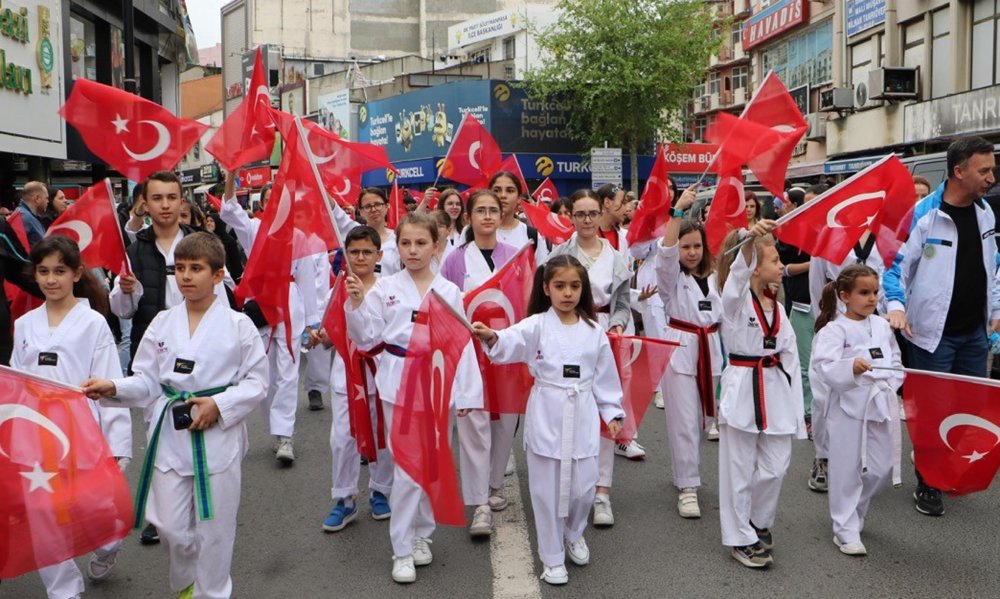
x=922, y=276
x=32, y=225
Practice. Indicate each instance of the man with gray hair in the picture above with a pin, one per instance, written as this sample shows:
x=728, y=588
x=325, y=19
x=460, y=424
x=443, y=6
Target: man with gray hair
x=34, y=201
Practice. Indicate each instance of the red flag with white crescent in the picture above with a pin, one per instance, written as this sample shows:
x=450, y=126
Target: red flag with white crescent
x=641, y=362
x=21, y=302
x=954, y=424
x=553, y=227
x=247, y=135
x=511, y=165
x=546, y=192
x=62, y=493
x=728, y=210
x=135, y=136
x=650, y=218
x=473, y=155
x=498, y=303
x=92, y=222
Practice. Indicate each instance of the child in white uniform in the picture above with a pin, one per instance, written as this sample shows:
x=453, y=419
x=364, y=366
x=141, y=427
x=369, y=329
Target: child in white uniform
x=862, y=414
x=384, y=315
x=690, y=295
x=576, y=384
x=761, y=409
x=205, y=355
x=67, y=340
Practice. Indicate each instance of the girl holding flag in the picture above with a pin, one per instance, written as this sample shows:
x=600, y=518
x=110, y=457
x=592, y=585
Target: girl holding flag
x=67, y=339
x=761, y=409
x=384, y=315
x=576, y=386
x=485, y=443
x=690, y=295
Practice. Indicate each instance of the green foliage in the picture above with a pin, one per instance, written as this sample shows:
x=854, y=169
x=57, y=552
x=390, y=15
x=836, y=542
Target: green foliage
x=626, y=68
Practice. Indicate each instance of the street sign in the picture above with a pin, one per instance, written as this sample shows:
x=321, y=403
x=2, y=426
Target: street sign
x=605, y=167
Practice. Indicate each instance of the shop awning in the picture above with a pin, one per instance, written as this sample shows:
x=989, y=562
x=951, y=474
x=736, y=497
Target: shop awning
x=204, y=188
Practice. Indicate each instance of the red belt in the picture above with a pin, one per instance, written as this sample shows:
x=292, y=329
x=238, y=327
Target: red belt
x=706, y=385
x=758, y=364
x=359, y=410
x=603, y=309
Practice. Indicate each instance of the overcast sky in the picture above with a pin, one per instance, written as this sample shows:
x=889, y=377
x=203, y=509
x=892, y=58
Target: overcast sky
x=205, y=20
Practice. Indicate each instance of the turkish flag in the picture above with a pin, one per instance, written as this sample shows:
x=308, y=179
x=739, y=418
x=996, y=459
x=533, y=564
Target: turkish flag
x=473, y=155
x=653, y=213
x=546, y=192
x=92, y=222
x=21, y=302
x=880, y=198
x=641, y=362
x=358, y=410
x=215, y=202
x=954, y=424
x=247, y=135
x=553, y=227
x=340, y=162
x=61, y=491
x=133, y=135
x=511, y=165
x=729, y=209
x=397, y=209
x=421, y=418
x=499, y=303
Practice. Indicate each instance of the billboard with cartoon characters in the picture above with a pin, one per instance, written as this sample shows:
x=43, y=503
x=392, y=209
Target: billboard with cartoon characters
x=422, y=124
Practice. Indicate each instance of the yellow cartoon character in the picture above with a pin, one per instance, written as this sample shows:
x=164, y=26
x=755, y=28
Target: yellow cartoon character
x=406, y=131
x=440, y=126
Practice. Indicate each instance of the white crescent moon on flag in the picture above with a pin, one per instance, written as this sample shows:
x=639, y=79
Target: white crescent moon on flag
x=472, y=155
x=323, y=159
x=347, y=187
x=636, y=350
x=783, y=128
x=281, y=214
x=554, y=219
x=738, y=184
x=967, y=420
x=161, y=145
x=831, y=216
x=492, y=296
x=546, y=194
x=12, y=411
x=83, y=232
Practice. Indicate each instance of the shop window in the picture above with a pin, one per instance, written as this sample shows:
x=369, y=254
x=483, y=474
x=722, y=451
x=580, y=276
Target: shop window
x=804, y=59
x=82, y=48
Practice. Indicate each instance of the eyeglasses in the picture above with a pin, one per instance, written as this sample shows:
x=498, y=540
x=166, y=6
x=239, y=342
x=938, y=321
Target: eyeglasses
x=375, y=206
x=486, y=212
x=592, y=215
x=357, y=253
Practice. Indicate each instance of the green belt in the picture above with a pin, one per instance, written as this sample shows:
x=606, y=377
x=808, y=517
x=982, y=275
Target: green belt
x=203, y=491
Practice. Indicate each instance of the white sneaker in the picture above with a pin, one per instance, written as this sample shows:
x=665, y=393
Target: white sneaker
x=555, y=575
x=123, y=463
x=98, y=568
x=713, y=431
x=658, y=399
x=422, y=555
x=687, y=503
x=403, y=570
x=603, y=516
x=285, y=452
x=511, y=466
x=482, y=522
x=632, y=450
x=578, y=552
x=497, y=500
x=856, y=548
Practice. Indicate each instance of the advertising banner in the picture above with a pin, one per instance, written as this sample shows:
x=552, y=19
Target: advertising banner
x=335, y=113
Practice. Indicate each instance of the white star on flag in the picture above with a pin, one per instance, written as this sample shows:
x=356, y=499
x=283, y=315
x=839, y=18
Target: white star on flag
x=39, y=478
x=120, y=124
x=975, y=456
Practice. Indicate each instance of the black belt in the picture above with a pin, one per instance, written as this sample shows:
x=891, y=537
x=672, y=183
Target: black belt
x=758, y=364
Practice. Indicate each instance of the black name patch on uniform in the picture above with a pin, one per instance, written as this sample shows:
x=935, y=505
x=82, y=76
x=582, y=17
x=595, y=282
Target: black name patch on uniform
x=378, y=268
x=770, y=343
x=705, y=305
x=876, y=353
x=571, y=371
x=182, y=366
x=413, y=315
x=48, y=358
x=170, y=269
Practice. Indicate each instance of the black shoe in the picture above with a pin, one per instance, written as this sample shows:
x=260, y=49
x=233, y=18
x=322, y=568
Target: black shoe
x=749, y=557
x=364, y=461
x=764, y=537
x=315, y=401
x=927, y=501
x=149, y=536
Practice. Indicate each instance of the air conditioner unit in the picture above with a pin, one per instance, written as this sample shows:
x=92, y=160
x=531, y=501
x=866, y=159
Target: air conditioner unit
x=893, y=83
x=862, y=97
x=837, y=98
x=817, y=126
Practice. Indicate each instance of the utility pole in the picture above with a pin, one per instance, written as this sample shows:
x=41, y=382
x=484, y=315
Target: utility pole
x=128, y=31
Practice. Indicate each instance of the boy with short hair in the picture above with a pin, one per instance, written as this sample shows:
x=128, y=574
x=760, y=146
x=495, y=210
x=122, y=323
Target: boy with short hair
x=202, y=354
x=363, y=252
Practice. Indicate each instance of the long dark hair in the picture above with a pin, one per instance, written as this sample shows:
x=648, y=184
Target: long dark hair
x=832, y=290
x=457, y=223
x=540, y=302
x=69, y=254
x=473, y=200
x=509, y=175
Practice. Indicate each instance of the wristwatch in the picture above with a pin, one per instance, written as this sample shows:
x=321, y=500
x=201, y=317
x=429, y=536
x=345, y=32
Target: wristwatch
x=675, y=213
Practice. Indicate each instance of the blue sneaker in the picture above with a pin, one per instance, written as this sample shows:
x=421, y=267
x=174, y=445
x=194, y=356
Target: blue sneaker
x=340, y=516
x=380, y=506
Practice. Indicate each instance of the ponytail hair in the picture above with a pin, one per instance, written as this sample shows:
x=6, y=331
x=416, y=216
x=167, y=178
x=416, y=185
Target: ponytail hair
x=726, y=257
x=69, y=254
x=540, y=302
x=832, y=290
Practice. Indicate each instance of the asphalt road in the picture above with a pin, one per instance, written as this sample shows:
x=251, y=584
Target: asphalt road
x=281, y=550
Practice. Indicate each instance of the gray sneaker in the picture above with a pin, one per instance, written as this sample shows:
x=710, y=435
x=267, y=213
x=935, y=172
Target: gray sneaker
x=817, y=478
x=482, y=522
x=286, y=451
x=98, y=568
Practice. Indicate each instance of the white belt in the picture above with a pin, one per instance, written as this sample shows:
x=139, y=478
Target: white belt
x=894, y=430
x=568, y=434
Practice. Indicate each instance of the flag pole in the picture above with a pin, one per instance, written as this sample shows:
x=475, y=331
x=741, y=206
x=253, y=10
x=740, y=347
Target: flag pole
x=461, y=317
x=40, y=379
x=326, y=196
x=111, y=200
